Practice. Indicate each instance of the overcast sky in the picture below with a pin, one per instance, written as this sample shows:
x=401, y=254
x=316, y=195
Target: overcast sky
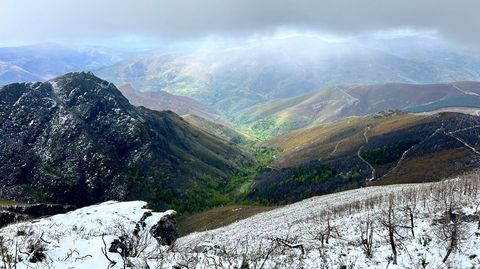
x=34, y=21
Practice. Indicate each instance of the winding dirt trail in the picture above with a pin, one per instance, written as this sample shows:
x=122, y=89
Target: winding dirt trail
x=451, y=134
x=404, y=155
x=359, y=154
x=464, y=91
x=335, y=149
x=438, y=130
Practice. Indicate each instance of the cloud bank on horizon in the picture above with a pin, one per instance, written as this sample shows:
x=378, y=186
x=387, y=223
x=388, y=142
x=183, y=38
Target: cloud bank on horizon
x=33, y=21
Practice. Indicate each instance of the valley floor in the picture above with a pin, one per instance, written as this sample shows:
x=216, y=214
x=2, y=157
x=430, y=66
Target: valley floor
x=352, y=229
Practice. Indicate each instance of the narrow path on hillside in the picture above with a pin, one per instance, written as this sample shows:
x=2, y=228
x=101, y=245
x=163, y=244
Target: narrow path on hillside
x=347, y=94
x=451, y=134
x=365, y=134
x=359, y=154
x=464, y=91
x=404, y=154
x=335, y=149
x=464, y=129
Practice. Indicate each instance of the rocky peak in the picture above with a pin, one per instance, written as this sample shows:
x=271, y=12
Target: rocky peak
x=76, y=140
x=88, y=94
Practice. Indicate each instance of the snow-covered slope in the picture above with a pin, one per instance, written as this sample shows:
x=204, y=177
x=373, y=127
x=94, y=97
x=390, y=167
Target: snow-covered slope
x=445, y=215
x=74, y=239
x=268, y=239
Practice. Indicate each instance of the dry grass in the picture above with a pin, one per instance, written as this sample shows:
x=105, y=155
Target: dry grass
x=218, y=217
x=346, y=136
x=391, y=124
x=6, y=202
x=343, y=138
x=428, y=168
x=317, y=134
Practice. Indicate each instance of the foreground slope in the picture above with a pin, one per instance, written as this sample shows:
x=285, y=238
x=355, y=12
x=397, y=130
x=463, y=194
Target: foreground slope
x=79, y=235
x=75, y=139
x=331, y=231
x=434, y=225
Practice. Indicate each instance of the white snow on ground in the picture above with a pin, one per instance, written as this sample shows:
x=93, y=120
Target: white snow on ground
x=275, y=239
x=74, y=239
x=303, y=222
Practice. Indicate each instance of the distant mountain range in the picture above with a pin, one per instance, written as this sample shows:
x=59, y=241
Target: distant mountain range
x=250, y=80
x=341, y=101
x=76, y=140
x=45, y=61
x=161, y=100
x=221, y=130
x=10, y=73
x=191, y=110
x=232, y=78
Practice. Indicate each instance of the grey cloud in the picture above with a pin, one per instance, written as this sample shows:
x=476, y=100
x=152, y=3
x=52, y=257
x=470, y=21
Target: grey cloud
x=35, y=20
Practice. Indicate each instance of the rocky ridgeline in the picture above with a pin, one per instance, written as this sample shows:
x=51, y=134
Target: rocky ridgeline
x=76, y=140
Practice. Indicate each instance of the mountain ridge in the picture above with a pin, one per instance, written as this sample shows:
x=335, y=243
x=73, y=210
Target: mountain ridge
x=342, y=101
x=162, y=100
x=386, y=148
x=76, y=139
x=232, y=78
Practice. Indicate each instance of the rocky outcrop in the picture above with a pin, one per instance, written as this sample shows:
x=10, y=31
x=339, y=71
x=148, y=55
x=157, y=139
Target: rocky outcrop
x=120, y=246
x=165, y=231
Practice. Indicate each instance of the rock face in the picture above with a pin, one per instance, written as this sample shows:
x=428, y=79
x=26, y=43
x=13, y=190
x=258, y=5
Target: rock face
x=118, y=246
x=76, y=140
x=165, y=231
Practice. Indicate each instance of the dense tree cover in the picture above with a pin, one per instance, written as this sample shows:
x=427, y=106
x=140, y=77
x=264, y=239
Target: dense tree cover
x=386, y=153
x=294, y=184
